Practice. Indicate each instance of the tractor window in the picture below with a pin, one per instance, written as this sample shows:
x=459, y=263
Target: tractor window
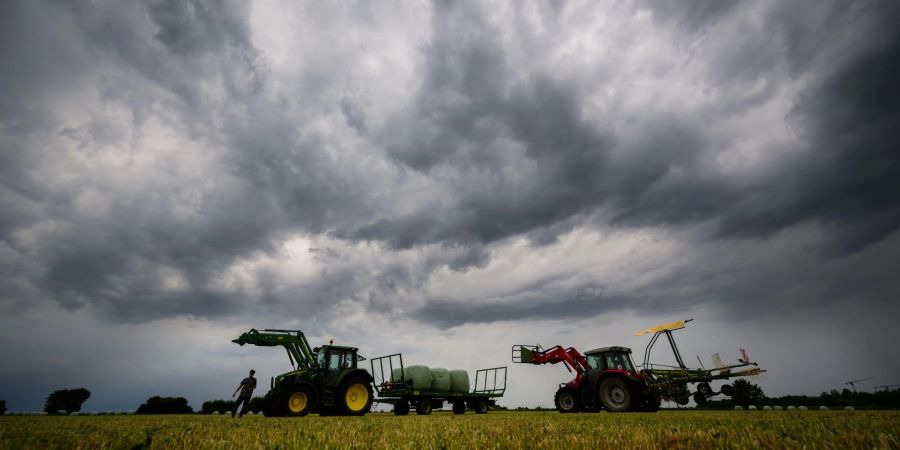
x=594, y=361
x=618, y=361
x=320, y=358
x=336, y=361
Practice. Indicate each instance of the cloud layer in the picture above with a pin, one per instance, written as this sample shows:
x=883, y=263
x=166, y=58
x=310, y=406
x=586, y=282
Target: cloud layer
x=449, y=164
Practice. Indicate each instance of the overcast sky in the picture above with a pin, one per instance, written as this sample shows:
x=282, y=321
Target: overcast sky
x=444, y=179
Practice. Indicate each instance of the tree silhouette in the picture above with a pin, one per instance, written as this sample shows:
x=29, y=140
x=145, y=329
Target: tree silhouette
x=165, y=405
x=747, y=393
x=68, y=400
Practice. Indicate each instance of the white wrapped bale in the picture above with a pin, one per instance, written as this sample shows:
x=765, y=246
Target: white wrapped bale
x=419, y=376
x=752, y=408
x=823, y=408
x=440, y=379
x=848, y=408
x=777, y=408
x=767, y=408
x=802, y=408
x=459, y=381
x=792, y=408
x=738, y=408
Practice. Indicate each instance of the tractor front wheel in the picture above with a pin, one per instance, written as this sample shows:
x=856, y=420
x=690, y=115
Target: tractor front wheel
x=566, y=400
x=615, y=395
x=401, y=408
x=299, y=401
x=270, y=406
x=354, y=397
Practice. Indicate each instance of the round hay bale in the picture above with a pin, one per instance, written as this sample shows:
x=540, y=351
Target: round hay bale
x=777, y=408
x=823, y=408
x=216, y=413
x=459, y=381
x=767, y=408
x=419, y=376
x=849, y=408
x=791, y=408
x=802, y=408
x=738, y=408
x=440, y=379
x=752, y=408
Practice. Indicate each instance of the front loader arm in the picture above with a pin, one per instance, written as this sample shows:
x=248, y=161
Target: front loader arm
x=293, y=341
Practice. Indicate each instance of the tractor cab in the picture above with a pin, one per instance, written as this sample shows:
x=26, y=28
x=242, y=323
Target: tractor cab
x=610, y=358
x=336, y=357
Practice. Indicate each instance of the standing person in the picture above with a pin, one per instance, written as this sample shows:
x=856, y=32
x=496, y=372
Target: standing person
x=246, y=387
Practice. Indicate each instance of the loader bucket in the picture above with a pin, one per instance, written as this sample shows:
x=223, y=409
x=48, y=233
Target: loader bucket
x=523, y=353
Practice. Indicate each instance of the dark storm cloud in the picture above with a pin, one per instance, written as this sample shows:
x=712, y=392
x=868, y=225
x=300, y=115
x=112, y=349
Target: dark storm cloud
x=502, y=150
x=158, y=54
x=447, y=312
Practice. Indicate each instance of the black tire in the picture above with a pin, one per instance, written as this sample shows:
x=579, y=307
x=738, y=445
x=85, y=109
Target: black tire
x=298, y=401
x=479, y=405
x=401, y=408
x=615, y=395
x=423, y=407
x=728, y=390
x=705, y=389
x=566, y=400
x=353, y=397
x=459, y=408
x=683, y=400
x=270, y=406
x=651, y=403
x=700, y=399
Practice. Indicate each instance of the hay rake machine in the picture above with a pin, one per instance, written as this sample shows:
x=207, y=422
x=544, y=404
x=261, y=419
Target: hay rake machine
x=607, y=379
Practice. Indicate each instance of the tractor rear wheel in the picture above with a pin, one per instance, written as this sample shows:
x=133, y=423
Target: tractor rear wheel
x=566, y=400
x=354, y=396
x=615, y=395
x=401, y=408
x=459, y=408
x=479, y=405
x=423, y=407
x=298, y=401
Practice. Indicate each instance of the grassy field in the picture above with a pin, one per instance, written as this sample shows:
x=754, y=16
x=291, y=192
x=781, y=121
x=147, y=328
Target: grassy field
x=667, y=429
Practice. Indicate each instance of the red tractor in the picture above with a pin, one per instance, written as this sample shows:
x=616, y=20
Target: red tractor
x=606, y=378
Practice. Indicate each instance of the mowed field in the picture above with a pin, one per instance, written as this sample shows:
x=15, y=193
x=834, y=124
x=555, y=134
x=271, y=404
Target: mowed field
x=666, y=429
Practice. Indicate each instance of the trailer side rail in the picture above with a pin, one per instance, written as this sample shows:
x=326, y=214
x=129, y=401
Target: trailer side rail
x=490, y=381
x=382, y=381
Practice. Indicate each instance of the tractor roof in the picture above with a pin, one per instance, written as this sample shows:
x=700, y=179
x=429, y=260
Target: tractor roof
x=340, y=347
x=608, y=349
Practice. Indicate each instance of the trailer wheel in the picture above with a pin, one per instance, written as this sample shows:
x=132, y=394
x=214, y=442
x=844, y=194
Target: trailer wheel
x=298, y=401
x=401, y=408
x=479, y=405
x=566, y=400
x=615, y=395
x=423, y=407
x=705, y=389
x=354, y=396
x=459, y=408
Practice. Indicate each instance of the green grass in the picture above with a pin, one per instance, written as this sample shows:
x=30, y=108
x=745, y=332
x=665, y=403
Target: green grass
x=667, y=429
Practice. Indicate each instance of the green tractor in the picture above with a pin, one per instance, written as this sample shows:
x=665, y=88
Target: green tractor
x=325, y=379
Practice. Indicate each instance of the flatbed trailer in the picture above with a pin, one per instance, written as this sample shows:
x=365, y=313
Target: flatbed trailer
x=490, y=384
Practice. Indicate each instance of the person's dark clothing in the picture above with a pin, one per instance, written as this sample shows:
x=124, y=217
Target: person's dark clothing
x=245, y=399
x=247, y=386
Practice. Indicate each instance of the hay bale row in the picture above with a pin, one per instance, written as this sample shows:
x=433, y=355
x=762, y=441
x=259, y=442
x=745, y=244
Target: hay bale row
x=436, y=379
